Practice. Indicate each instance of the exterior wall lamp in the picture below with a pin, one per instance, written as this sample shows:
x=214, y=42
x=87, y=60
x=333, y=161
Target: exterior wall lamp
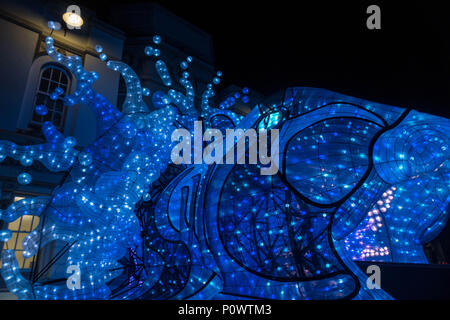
x=72, y=17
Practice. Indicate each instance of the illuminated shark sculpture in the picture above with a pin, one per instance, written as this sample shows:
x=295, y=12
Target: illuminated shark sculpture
x=357, y=181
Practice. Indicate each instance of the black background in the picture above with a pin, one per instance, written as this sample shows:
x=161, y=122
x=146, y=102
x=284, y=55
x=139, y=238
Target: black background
x=271, y=45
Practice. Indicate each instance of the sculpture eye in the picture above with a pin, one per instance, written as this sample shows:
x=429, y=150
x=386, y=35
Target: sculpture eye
x=270, y=121
x=272, y=117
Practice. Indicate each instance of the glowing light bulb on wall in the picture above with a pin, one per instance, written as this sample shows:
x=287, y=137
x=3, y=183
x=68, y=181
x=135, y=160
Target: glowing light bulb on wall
x=72, y=17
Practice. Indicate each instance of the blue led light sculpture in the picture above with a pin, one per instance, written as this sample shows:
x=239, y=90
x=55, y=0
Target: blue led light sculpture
x=357, y=181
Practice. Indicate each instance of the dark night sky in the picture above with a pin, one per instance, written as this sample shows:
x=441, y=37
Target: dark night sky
x=272, y=45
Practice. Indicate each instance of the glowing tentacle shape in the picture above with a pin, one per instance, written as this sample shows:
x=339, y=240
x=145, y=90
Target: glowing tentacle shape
x=208, y=94
x=14, y=281
x=32, y=206
x=190, y=96
x=163, y=73
x=133, y=102
x=185, y=102
x=58, y=154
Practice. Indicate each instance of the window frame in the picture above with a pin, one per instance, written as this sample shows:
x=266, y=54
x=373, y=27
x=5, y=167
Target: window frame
x=34, y=124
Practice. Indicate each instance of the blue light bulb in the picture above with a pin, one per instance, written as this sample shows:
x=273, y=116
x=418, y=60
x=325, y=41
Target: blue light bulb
x=24, y=178
x=85, y=158
x=54, y=96
x=157, y=39
x=54, y=25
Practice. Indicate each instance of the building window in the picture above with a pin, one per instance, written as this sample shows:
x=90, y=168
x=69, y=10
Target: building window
x=52, y=76
x=20, y=229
